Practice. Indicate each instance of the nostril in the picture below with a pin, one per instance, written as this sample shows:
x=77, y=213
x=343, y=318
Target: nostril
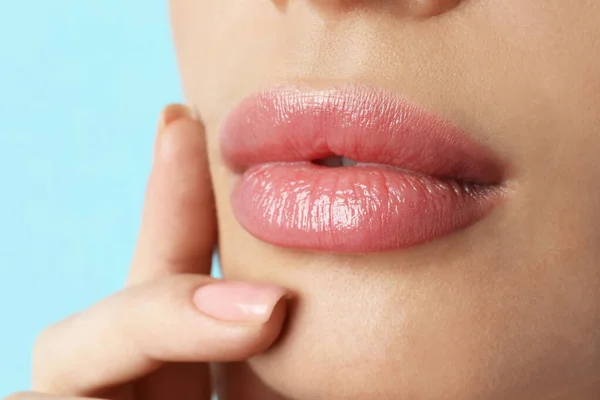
x=415, y=8
x=431, y=8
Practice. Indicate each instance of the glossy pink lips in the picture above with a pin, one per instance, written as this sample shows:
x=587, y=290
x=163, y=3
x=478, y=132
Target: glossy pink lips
x=416, y=177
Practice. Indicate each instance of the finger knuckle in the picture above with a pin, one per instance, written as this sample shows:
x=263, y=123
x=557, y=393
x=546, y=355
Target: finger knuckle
x=46, y=341
x=42, y=344
x=49, y=345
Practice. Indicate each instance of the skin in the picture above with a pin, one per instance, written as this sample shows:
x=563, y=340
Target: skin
x=508, y=308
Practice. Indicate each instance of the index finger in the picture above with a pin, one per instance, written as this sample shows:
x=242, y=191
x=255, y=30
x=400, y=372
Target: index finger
x=179, y=230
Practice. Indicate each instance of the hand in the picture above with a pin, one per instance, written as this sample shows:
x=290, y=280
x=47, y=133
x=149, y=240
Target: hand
x=153, y=339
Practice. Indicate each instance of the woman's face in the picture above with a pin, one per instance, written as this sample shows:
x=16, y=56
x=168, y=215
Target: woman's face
x=507, y=307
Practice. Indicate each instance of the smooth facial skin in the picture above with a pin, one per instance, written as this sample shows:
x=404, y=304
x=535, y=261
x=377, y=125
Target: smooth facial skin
x=508, y=308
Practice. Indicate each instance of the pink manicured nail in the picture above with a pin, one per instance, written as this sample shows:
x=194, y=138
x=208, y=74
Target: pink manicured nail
x=172, y=113
x=238, y=301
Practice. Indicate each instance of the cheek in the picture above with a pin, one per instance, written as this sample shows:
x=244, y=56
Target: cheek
x=224, y=49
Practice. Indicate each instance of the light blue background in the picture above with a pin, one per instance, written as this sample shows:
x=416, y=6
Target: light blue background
x=81, y=85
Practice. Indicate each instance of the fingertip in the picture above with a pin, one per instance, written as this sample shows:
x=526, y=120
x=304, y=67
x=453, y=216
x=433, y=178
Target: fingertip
x=274, y=326
x=172, y=113
x=179, y=133
x=248, y=340
x=168, y=115
x=249, y=316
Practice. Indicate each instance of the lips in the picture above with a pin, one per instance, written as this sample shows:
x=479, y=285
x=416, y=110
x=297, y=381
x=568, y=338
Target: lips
x=352, y=170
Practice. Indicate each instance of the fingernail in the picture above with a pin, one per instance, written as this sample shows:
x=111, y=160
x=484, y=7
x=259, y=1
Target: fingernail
x=238, y=301
x=169, y=114
x=172, y=113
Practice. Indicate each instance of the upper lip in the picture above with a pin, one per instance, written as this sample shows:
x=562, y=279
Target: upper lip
x=363, y=124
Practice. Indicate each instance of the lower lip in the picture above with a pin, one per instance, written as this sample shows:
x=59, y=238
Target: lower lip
x=365, y=208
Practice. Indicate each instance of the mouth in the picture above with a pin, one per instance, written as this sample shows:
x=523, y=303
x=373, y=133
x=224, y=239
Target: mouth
x=353, y=170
